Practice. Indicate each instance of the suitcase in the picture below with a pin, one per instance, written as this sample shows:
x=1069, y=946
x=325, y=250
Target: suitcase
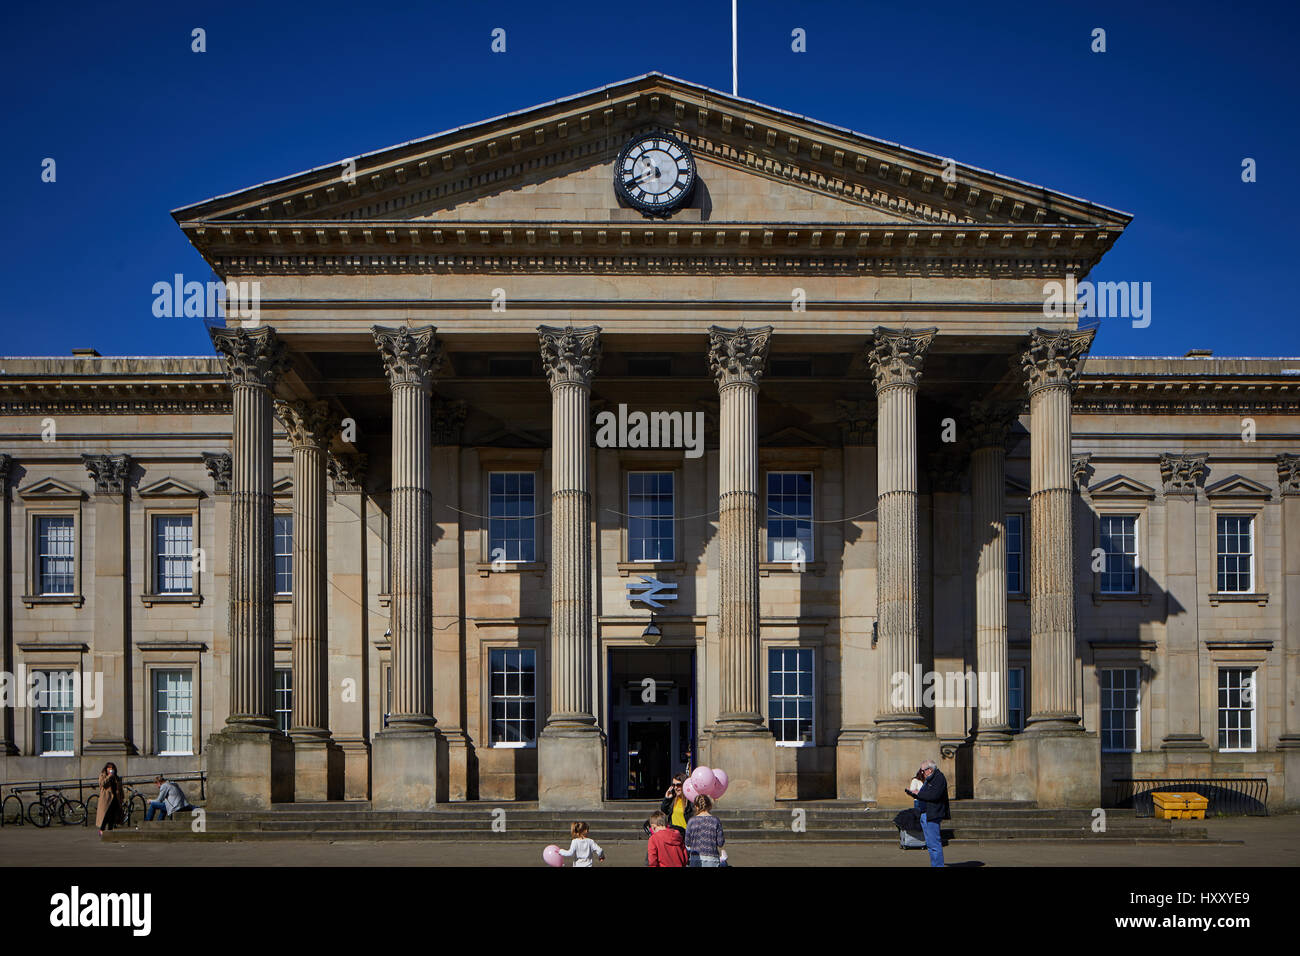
x=910, y=841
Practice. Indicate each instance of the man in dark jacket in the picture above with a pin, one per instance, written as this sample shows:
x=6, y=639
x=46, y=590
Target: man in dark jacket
x=932, y=801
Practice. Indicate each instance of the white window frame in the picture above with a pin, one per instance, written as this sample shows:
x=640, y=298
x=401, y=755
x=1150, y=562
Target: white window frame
x=282, y=692
x=1104, y=709
x=276, y=555
x=1137, y=552
x=811, y=697
x=155, y=556
x=1249, y=518
x=492, y=698
x=1219, y=710
x=37, y=557
x=671, y=519
x=159, y=721
x=491, y=517
x=42, y=709
x=768, y=517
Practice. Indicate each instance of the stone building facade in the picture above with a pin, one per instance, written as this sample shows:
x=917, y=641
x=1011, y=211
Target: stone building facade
x=433, y=524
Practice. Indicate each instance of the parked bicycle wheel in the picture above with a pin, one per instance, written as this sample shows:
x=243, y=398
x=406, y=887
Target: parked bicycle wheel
x=72, y=813
x=38, y=814
x=135, y=808
x=11, y=811
x=92, y=808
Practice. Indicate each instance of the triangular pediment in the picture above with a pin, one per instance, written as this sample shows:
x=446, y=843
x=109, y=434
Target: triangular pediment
x=50, y=488
x=1238, y=486
x=1121, y=486
x=813, y=184
x=170, y=488
x=282, y=487
x=792, y=437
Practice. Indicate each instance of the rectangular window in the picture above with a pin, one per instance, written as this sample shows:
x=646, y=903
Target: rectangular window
x=650, y=516
x=1237, y=709
x=1119, y=544
x=789, y=516
x=1016, y=698
x=283, y=698
x=173, y=707
x=1120, y=692
x=55, y=703
x=173, y=549
x=55, y=554
x=1236, y=553
x=790, y=695
x=283, y=554
x=511, y=521
x=1015, y=554
x=514, y=697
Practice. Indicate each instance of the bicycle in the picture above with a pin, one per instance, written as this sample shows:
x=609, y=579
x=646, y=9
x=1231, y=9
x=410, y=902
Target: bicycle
x=52, y=804
x=11, y=811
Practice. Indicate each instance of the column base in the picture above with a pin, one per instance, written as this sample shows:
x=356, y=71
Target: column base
x=896, y=755
x=1002, y=770
x=317, y=768
x=249, y=771
x=1289, y=747
x=1067, y=768
x=404, y=770
x=571, y=768
x=454, y=756
x=749, y=759
x=851, y=764
x=356, y=767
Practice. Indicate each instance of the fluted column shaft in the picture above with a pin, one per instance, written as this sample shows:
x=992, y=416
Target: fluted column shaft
x=571, y=357
x=255, y=360
x=737, y=357
x=411, y=358
x=988, y=492
x=1052, y=363
x=896, y=359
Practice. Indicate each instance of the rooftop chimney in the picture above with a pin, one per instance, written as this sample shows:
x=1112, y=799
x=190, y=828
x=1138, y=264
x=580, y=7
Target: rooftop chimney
x=85, y=353
x=1199, y=353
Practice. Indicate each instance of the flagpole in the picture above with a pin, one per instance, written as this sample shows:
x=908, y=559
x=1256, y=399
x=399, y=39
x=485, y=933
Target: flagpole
x=735, y=89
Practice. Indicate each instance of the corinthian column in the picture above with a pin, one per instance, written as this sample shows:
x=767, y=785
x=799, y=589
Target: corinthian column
x=311, y=426
x=571, y=748
x=405, y=755
x=1051, y=365
x=896, y=358
x=741, y=743
x=250, y=761
x=7, y=746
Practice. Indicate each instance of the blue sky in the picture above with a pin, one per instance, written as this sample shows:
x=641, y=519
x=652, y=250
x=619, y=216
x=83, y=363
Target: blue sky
x=138, y=125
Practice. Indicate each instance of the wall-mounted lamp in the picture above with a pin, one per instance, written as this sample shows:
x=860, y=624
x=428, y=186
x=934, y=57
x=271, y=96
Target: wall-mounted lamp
x=651, y=634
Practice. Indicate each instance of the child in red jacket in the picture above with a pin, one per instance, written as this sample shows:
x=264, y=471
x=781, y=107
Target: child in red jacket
x=666, y=846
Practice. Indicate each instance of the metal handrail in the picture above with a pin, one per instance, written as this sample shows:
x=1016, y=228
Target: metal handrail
x=1227, y=796
x=39, y=787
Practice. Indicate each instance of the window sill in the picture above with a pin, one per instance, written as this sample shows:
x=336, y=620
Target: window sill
x=149, y=600
x=1238, y=597
x=787, y=567
x=519, y=746
x=486, y=568
x=1098, y=598
x=641, y=567
x=796, y=744
x=283, y=599
x=58, y=753
x=31, y=600
x=175, y=753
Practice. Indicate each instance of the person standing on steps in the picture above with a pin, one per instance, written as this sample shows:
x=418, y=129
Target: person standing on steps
x=675, y=806
x=704, y=837
x=932, y=800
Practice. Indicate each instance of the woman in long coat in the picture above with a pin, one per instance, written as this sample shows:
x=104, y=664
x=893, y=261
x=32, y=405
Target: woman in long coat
x=112, y=799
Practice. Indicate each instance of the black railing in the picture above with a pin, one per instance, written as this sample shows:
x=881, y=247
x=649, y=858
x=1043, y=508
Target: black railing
x=85, y=787
x=1227, y=796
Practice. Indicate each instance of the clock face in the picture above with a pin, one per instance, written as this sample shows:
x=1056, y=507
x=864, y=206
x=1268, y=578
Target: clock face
x=655, y=174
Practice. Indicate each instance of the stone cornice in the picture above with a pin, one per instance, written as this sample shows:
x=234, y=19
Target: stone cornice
x=738, y=356
x=110, y=472
x=254, y=357
x=896, y=355
x=308, y=422
x=1182, y=474
x=570, y=356
x=410, y=356
x=1055, y=357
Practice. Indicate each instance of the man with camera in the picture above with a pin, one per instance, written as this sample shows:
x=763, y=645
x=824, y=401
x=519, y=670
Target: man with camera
x=932, y=800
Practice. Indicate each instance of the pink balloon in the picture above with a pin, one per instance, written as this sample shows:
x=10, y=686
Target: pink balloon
x=704, y=780
x=720, y=782
x=689, y=791
x=552, y=855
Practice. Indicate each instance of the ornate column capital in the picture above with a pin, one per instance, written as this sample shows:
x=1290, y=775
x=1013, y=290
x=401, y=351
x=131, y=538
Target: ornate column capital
x=857, y=420
x=347, y=470
x=989, y=422
x=1288, y=473
x=570, y=356
x=738, y=356
x=411, y=356
x=948, y=469
x=896, y=355
x=448, y=420
x=219, y=465
x=253, y=356
x=1081, y=470
x=1182, y=473
x=109, y=471
x=1054, y=358
x=308, y=422
x=6, y=463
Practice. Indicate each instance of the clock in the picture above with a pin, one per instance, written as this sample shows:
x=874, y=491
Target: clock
x=655, y=174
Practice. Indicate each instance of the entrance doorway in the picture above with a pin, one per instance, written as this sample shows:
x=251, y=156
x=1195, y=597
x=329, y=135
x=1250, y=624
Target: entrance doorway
x=651, y=719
